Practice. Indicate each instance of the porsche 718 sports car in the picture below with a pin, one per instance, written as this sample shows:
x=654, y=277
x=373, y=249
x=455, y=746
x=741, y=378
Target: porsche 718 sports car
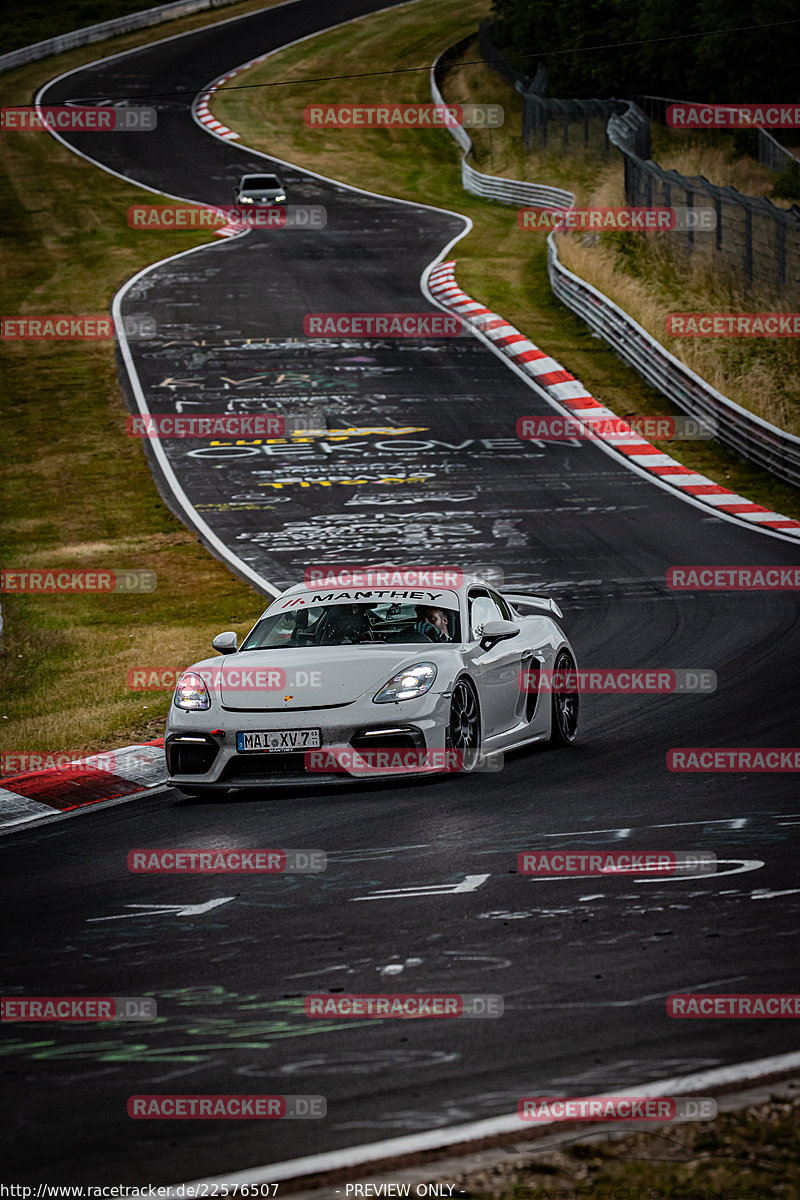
x=341, y=683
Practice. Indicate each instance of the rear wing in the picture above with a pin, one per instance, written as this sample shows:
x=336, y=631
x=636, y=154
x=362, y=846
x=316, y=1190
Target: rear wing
x=520, y=600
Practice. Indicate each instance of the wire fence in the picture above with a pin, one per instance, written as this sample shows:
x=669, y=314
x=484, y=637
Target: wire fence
x=757, y=240
x=770, y=152
x=546, y=121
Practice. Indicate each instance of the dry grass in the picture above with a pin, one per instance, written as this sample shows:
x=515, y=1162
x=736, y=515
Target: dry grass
x=762, y=375
x=716, y=162
x=715, y=156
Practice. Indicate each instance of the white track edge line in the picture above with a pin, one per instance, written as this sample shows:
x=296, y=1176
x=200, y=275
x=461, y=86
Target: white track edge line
x=443, y=1139
x=198, y=523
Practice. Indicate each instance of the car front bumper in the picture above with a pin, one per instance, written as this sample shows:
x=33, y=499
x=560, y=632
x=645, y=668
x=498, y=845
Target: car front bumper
x=200, y=747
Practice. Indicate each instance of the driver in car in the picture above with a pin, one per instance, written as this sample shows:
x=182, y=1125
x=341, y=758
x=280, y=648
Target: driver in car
x=433, y=622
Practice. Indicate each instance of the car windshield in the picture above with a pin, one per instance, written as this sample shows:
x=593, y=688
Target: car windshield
x=261, y=181
x=355, y=624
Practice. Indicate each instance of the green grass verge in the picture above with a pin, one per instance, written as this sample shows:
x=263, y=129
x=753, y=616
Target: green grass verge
x=497, y=263
x=76, y=490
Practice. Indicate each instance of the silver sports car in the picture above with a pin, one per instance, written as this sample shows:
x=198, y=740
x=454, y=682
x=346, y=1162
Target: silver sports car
x=340, y=683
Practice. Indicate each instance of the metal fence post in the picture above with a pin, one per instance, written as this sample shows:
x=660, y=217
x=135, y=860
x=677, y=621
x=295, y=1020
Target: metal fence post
x=748, y=245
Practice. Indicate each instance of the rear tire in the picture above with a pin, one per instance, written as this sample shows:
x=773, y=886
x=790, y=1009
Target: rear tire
x=565, y=706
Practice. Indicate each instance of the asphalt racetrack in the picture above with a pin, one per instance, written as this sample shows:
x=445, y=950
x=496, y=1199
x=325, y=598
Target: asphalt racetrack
x=584, y=965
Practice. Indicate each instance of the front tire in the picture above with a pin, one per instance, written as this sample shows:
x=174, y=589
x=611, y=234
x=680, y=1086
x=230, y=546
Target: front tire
x=465, y=725
x=565, y=705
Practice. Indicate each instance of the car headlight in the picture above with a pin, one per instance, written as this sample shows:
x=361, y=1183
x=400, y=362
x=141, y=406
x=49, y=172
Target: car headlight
x=407, y=684
x=281, y=197
x=191, y=693
x=246, y=200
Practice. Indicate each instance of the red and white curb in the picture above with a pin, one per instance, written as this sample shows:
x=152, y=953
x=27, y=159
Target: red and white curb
x=574, y=398
x=201, y=111
x=202, y=114
x=85, y=781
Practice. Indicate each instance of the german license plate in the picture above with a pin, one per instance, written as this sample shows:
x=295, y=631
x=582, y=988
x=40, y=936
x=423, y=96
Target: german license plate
x=279, y=741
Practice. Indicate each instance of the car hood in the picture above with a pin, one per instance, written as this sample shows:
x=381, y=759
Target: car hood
x=263, y=193
x=313, y=676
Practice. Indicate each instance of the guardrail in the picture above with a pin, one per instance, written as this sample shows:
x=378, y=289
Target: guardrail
x=513, y=191
x=740, y=430
x=772, y=154
x=493, y=187
x=736, y=428
x=105, y=29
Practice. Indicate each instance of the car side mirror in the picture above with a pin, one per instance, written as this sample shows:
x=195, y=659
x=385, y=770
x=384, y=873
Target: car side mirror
x=226, y=643
x=497, y=631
